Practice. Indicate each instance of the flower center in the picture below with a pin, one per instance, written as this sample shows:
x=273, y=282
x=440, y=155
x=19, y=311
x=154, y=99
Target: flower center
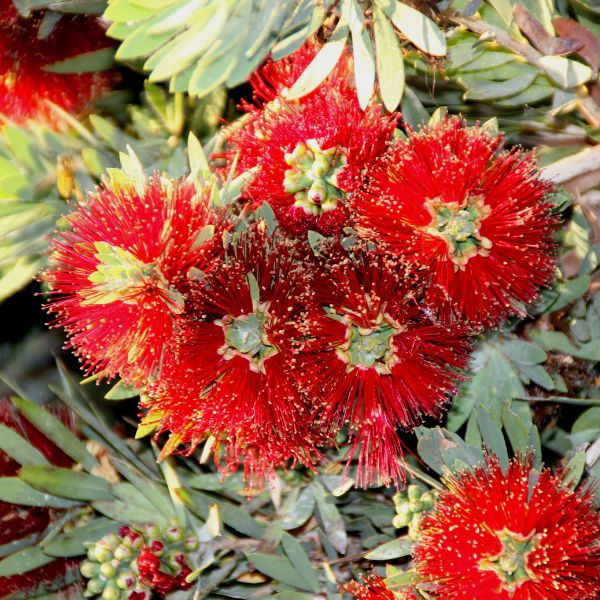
x=369, y=348
x=312, y=176
x=120, y=275
x=245, y=336
x=510, y=564
x=458, y=223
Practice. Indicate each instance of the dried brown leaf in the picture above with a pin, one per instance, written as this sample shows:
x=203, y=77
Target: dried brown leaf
x=590, y=44
x=540, y=39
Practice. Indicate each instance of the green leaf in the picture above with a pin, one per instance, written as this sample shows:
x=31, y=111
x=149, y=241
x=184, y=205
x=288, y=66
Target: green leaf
x=15, y=491
x=492, y=436
x=56, y=432
x=516, y=429
x=136, y=500
x=122, y=391
x=19, y=448
x=122, y=512
x=330, y=515
x=323, y=63
x=394, y=549
x=523, y=352
x=298, y=557
x=418, y=28
x=575, y=468
x=232, y=515
x=24, y=561
x=278, y=568
x=566, y=72
x=492, y=90
x=66, y=482
x=73, y=542
x=300, y=511
x=87, y=62
x=364, y=61
x=413, y=112
x=389, y=60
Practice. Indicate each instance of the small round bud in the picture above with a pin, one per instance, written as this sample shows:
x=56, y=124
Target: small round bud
x=174, y=534
x=94, y=587
x=191, y=543
x=134, y=540
x=151, y=530
x=126, y=580
x=111, y=592
x=91, y=553
x=102, y=553
x=89, y=569
x=157, y=547
x=122, y=552
x=413, y=491
x=427, y=500
x=415, y=505
x=107, y=570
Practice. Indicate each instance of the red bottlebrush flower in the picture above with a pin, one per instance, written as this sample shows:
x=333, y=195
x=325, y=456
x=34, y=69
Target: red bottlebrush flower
x=519, y=535
x=274, y=78
x=377, y=360
x=477, y=220
x=229, y=375
x=20, y=522
x=374, y=588
x=25, y=87
x=115, y=276
x=308, y=157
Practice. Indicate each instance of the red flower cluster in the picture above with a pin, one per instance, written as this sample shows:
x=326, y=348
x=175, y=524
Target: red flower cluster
x=516, y=535
x=25, y=51
x=374, y=588
x=115, y=276
x=148, y=563
x=475, y=219
x=20, y=522
x=267, y=345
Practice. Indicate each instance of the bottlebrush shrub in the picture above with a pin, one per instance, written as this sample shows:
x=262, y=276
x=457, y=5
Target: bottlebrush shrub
x=476, y=218
x=25, y=51
x=114, y=276
x=229, y=374
x=308, y=157
x=515, y=534
x=20, y=522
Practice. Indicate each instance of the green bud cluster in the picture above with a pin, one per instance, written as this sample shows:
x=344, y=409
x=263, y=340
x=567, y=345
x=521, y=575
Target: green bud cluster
x=112, y=562
x=411, y=506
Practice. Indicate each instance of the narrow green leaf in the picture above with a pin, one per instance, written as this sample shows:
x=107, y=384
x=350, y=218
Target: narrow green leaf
x=24, y=561
x=122, y=391
x=56, y=432
x=566, y=72
x=323, y=63
x=19, y=448
x=523, y=352
x=300, y=511
x=72, y=542
x=331, y=517
x=87, y=62
x=364, y=60
x=15, y=491
x=413, y=111
x=122, y=512
x=278, y=568
x=492, y=436
x=516, y=429
x=575, y=468
x=390, y=64
x=298, y=557
x=66, y=483
x=492, y=90
x=418, y=28
x=394, y=549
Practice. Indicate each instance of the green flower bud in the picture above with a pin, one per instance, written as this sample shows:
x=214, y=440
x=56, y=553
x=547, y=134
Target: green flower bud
x=108, y=570
x=122, y=552
x=174, y=534
x=414, y=491
x=151, y=531
x=126, y=580
x=191, y=543
x=111, y=592
x=428, y=500
x=89, y=569
x=415, y=505
x=94, y=587
x=102, y=553
x=91, y=553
